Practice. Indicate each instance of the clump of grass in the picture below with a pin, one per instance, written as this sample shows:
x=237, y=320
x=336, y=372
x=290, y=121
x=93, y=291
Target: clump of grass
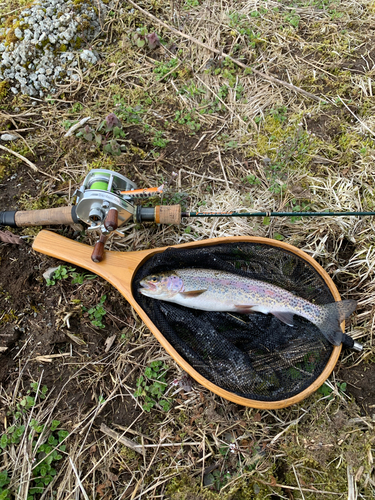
x=32, y=445
x=152, y=385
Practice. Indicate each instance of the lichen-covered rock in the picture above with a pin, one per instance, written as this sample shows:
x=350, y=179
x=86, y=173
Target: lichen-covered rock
x=40, y=45
x=88, y=56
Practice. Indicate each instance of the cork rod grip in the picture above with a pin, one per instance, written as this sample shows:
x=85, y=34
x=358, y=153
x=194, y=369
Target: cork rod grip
x=168, y=214
x=50, y=216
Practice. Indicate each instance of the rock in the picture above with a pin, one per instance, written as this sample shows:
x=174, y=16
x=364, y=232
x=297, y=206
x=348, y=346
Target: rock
x=46, y=38
x=88, y=56
x=47, y=275
x=8, y=137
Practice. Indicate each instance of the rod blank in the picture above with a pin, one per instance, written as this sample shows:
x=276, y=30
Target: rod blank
x=276, y=214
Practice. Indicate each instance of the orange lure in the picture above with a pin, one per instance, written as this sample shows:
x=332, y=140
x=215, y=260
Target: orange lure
x=143, y=193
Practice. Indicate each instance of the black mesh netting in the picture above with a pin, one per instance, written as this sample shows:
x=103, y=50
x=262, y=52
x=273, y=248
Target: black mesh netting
x=254, y=356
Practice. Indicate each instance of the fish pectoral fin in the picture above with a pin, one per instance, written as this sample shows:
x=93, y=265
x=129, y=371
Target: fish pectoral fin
x=193, y=293
x=244, y=309
x=284, y=317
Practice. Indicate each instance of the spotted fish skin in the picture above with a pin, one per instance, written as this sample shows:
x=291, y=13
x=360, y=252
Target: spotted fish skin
x=221, y=291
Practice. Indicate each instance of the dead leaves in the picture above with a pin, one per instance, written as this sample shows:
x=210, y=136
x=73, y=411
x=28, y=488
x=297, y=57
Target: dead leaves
x=8, y=237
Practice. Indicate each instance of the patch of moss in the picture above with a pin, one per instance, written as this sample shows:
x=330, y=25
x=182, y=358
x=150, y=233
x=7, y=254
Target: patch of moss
x=4, y=87
x=128, y=454
x=138, y=151
x=320, y=450
x=10, y=37
x=9, y=317
x=103, y=161
x=27, y=202
x=284, y=141
x=9, y=21
x=246, y=487
x=2, y=172
x=32, y=231
x=77, y=43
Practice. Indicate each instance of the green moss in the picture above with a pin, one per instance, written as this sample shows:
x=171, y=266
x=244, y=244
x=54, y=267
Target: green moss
x=10, y=37
x=9, y=21
x=103, y=161
x=9, y=317
x=128, y=454
x=4, y=87
x=32, y=231
x=320, y=450
x=78, y=43
x=27, y=202
x=245, y=487
x=284, y=141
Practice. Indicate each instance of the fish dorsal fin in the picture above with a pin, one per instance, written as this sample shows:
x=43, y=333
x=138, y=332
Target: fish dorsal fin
x=284, y=317
x=193, y=293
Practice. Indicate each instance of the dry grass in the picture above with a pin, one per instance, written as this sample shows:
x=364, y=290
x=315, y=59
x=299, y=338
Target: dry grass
x=243, y=143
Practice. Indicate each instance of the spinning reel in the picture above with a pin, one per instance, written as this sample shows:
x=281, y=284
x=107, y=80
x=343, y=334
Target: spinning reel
x=105, y=202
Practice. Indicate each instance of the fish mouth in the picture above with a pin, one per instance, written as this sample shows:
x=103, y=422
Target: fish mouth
x=147, y=286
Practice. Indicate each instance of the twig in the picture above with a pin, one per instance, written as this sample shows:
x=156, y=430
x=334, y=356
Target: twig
x=31, y=164
x=352, y=491
x=120, y=438
x=49, y=357
x=17, y=130
x=299, y=485
x=78, y=480
x=269, y=78
x=222, y=167
x=356, y=117
x=204, y=176
x=74, y=127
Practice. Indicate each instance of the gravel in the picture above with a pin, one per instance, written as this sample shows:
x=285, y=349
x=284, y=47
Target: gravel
x=47, y=42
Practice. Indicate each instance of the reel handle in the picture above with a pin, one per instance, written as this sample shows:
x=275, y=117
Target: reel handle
x=98, y=252
x=110, y=224
x=111, y=221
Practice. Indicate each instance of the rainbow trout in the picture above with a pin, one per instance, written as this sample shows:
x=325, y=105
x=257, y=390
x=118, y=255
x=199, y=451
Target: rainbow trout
x=210, y=290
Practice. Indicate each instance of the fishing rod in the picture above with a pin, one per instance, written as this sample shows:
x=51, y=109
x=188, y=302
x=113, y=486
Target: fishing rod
x=105, y=202
x=275, y=214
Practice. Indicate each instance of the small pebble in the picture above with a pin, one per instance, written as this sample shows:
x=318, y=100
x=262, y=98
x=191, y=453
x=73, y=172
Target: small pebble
x=8, y=137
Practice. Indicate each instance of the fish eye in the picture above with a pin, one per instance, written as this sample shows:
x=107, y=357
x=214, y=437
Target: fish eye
x=154, y=279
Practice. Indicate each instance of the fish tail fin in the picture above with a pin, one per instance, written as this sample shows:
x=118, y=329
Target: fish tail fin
x=332, y=316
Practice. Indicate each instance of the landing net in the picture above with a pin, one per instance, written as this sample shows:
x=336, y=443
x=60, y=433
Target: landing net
x=254, y=356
